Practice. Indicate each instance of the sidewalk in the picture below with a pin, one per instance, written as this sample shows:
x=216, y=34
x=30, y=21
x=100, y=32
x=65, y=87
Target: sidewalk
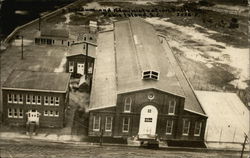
x=79, y=140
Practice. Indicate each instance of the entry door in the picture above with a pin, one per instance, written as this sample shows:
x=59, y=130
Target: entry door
x=80, y=68
x=33, y=116
x=148, y=120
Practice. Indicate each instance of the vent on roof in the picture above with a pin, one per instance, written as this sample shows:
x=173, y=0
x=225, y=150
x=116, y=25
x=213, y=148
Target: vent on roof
x=150, y=75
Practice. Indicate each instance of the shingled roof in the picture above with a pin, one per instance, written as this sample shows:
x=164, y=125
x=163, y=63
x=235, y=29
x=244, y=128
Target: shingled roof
x=57, y=33
x=136, y=48
x=37, y=81
x=79, y=49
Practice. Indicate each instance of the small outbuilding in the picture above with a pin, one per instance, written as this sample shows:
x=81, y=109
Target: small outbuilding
x=53, y=37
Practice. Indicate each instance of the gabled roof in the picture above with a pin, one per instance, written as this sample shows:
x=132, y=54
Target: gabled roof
x=58, y=33
x=80, y=49
x=136, y=49
x=37, y=81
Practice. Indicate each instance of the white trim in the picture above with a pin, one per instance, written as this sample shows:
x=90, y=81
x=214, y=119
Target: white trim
x=57, y=99
x=125, y=131
x=10, y=96
x=195, y=112
x=47, y=100
x=172, y=124
x=13, y=97
x=186, y=134
x=34, y=90
x=129, y=104
x=99, y=123
x=102, y=107
x=108, y=130
x=37, y=100
x=170, y=105
x=27, y=99
x=200, y=125
x=20, y=96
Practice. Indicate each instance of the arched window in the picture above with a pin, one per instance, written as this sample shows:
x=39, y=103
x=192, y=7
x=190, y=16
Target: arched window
x=127, y=104
x=171, y=107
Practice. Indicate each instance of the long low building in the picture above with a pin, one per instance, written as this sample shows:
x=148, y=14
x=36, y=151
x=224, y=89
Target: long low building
x=35, y=97
x=139, y=89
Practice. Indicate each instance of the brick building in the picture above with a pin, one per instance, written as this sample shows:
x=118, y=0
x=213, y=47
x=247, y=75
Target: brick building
x=139, y=89
x=39, y=97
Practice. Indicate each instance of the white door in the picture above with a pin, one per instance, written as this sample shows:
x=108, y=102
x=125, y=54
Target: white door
x=148, y=121
x=80, y=68
x=33, y=116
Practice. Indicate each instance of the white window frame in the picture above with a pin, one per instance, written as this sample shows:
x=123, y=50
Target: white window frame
x=28, y=96
x=48, y=99
x=15, y=111
x=56, y=114
x=94, y=123
x=19, y=97
x=15, y=102
x=40, y=98
x=45, y=113
x=32, y=97
x=10, y=98
x=123, y=124
x=56, y=99
x=50, y=113
x=52, y=104
x=20, y=111
x=170, y=105
x=126, y=104
x=199, y=126
x=110, y=123
x=171, y=127
x=188, y=127
x=10, y=111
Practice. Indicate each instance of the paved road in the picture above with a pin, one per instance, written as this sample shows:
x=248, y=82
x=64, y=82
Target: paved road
x=39, y=149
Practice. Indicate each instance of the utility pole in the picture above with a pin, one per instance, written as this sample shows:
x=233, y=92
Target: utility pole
x=86, y=61
x=39, y=23
x=243, y=146
x=22, y=48
x=101, y=137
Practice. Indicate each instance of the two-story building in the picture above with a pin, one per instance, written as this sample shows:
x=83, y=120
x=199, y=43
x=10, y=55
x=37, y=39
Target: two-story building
x=39, y=97
x=139, y=89
x=80, y=54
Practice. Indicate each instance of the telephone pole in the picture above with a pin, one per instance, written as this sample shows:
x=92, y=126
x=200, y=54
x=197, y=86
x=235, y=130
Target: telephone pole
x=243, y=146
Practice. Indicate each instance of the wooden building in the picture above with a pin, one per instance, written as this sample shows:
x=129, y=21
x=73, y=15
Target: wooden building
x=79, y=54
x=139, y=89
x=53, y=37
x=37, y=97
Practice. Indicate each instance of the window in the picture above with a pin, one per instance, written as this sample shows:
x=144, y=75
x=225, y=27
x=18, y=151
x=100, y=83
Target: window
x=51, y=113
x=127, y=104
x=96, y=123
x=20, y=101
x=57, y=101
x=56, y=114
x=148, y=120
x=15, y=113
x=33, y=99
x=169, y=127
x=45, y=113
x=186, y=125
x=38, y=98
x=108, y=123
x=20, y=113
x=46, y=100
x=125, y=127
x=197, y=128
x=150, y=75
x=10, y=115
x=14, y=98
x=9, y=98
x=51, y=100
x=171, y=107
x=28, y=97
x=71, y=66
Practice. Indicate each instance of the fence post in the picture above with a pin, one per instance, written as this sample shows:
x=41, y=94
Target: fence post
x=220, y=134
